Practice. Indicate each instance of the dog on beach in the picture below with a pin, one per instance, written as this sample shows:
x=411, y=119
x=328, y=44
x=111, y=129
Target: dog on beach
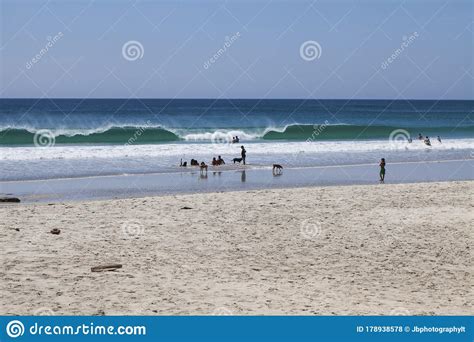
x=238, y=160
x=277, y=169
x=203, y=167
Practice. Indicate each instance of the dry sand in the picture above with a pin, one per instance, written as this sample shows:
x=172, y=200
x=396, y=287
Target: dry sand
x=382, y=249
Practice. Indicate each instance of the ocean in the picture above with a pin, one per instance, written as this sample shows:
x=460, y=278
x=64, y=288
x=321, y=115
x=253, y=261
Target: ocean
x=67, y=138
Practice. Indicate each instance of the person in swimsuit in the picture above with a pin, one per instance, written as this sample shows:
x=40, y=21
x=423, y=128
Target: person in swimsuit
x=382, y=170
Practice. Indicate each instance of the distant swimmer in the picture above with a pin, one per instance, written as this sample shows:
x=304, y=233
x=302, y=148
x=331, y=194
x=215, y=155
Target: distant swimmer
x=427, y=141
x=235, y=139
x=439, y=139
x=420, y=137
x=243, y=153
x=410, y=140
x=382, y=170
x=220, y=161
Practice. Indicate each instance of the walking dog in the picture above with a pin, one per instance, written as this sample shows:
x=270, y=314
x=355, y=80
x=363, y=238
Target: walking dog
x=277, y=168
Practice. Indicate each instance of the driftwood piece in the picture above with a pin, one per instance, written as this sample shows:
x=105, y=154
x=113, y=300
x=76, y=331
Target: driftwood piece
x=103, y=268
x=55, y=231
x=10, y=199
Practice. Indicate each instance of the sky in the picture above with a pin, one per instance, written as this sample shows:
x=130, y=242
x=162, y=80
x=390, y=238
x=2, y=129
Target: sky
x=370, y=49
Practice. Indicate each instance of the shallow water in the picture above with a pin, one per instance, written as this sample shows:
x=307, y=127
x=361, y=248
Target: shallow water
x=192, y=181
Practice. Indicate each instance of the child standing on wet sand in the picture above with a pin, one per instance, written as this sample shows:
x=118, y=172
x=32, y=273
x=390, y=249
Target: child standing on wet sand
x=382, y=170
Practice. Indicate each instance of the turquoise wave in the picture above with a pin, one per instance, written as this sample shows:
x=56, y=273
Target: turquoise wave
x=154, y=135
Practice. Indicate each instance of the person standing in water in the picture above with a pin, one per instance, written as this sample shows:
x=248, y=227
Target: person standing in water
x=243, y=153
x=382, y=170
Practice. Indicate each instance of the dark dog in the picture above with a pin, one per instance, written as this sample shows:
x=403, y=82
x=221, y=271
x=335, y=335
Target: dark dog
x=277, y=168
x=238, y=160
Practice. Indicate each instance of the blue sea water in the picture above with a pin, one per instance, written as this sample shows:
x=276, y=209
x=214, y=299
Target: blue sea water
x=62, y=138
x=92, y=121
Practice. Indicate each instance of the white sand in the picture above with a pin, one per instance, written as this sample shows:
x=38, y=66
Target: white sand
x=382, y=249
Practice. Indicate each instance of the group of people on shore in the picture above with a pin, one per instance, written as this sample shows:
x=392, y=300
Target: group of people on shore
x=216, y=161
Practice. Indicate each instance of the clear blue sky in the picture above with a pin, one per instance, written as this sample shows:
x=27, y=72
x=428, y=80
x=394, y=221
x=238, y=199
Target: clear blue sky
x=356, y=37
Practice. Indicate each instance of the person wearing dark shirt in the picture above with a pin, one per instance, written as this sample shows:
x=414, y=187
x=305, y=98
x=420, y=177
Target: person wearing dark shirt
x=243, y=153
x=382, y=170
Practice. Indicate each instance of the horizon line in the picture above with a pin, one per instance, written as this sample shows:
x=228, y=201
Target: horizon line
x=228, y=98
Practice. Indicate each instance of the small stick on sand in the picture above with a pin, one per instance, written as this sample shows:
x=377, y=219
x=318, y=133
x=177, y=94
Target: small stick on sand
x=103, y=268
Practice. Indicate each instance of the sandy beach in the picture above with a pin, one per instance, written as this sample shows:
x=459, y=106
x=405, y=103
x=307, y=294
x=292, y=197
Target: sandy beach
x=343, y=250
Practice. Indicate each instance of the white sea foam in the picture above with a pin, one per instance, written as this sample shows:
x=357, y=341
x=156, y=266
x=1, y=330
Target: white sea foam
x=193, y=150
